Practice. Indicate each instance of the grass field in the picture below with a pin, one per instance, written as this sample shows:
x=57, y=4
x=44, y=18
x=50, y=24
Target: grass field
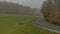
x=19, y=24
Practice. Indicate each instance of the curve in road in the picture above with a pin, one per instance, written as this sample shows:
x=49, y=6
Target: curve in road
x=50, y=27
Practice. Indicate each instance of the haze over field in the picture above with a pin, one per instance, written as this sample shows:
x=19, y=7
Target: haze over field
x=31, y=3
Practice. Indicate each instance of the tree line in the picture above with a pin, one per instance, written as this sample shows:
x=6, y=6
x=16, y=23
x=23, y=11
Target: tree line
x=14, y=8
x=51, y=11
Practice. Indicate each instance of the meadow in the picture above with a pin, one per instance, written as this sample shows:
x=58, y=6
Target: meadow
x=20, y=24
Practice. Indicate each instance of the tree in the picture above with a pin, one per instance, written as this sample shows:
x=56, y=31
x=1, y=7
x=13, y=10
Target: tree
x=51, y=12
x=14, y=8
x=46, y=8
x=57, y=3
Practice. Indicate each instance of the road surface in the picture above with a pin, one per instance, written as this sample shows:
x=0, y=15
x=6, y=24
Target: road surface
x=50, y=27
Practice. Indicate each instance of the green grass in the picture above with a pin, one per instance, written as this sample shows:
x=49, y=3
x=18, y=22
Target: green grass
x=19, y=24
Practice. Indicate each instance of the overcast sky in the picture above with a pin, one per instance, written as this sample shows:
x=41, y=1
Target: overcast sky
x=31, y=3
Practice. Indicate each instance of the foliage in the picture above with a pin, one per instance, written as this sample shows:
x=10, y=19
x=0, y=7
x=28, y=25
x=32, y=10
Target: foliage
x=14, y=8
x=51, y=12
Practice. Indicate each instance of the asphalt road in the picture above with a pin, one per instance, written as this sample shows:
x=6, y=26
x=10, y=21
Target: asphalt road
x=40, y=22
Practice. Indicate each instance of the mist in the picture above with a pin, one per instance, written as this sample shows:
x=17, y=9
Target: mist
x=30, y=3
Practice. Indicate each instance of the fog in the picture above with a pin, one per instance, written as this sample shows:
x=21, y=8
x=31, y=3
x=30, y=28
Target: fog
x=30, y=3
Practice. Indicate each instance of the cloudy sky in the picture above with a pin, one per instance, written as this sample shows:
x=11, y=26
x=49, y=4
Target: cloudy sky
x=30, y=3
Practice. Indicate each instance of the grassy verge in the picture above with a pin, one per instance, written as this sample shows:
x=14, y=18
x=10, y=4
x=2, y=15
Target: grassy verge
x=20, y=25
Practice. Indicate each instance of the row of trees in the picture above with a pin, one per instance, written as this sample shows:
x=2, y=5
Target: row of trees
x=14, y=8
x=51, y=11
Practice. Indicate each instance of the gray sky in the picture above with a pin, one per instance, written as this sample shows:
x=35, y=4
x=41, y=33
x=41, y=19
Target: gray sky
x=31, y=3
